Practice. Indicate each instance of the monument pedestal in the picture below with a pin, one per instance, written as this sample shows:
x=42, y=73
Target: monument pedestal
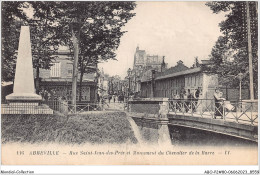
x=25, y=103
x=25, y=108
x=28, y=97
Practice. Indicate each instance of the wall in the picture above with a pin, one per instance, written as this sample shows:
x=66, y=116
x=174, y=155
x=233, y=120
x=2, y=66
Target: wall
x=145, y=89
x=66, y=65
x=232, y=94
x=170, y=86
x=148, y=106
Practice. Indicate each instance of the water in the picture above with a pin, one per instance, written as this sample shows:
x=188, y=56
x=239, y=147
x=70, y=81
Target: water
x=158, y=134
x=135, y=129
x=164, y=135
x=183, y=136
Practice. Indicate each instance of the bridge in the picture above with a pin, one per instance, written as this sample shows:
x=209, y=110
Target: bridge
x=240, y=120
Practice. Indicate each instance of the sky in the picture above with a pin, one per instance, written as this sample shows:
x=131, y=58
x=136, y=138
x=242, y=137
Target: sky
x=176, y=30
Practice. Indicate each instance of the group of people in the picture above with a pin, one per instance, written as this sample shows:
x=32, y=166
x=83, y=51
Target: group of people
x=116, y=98
x=187, y=100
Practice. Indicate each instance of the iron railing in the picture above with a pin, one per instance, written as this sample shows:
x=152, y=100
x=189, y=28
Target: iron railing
x=25, y=108
x=66, y=107
x=79, y=108
x=240, y=112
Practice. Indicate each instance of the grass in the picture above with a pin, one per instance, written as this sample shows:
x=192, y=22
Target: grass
x=94, y=128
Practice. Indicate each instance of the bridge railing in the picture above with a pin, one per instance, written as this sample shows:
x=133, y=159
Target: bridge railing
x=240, y=111
x=79, y=108
x=66, y=107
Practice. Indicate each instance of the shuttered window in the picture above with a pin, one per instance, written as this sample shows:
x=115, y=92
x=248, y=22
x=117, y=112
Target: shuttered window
x=55, y=70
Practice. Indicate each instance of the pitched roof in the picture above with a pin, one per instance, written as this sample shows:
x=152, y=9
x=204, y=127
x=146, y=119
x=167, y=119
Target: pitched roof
x=177, y=68
x=172, y=72
x=175, y=74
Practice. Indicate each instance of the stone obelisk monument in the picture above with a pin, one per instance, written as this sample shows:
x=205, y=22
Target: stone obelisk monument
x=24, y=100
x=24, y=89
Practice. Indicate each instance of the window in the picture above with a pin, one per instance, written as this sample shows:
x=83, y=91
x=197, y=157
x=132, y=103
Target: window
x=70, y=72
x=55, y=70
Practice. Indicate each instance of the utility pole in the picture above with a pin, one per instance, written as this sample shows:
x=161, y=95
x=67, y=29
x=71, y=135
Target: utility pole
x=250, y=52
x=152, y=83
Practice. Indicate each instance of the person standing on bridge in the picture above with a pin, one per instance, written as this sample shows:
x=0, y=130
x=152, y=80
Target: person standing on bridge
x=196, y=96
x=187, y=98
x=219, y=110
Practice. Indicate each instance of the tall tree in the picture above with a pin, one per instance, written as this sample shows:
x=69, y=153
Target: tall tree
x=95, y=29
x=12, y=17
x=43, y=31
x=230, y=53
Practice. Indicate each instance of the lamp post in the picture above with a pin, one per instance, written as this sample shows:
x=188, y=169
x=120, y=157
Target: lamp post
x=135, y=83
x=96, y=85
x=128, y=94
x=240, y=77
x=152, y=83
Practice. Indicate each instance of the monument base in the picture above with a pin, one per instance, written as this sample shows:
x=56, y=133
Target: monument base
x=25, y=103
x=23, y=97
x=25, y=108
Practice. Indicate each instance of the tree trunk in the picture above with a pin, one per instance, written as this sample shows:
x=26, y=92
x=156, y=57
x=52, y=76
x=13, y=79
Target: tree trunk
x=80, y=84
x=250, y=53
x=75, y=68
x=37, y=82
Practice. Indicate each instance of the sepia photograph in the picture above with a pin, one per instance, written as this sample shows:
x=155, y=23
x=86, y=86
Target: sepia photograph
x=129, y=83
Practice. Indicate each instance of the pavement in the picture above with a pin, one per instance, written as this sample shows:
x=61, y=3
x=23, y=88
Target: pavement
x=117, y=106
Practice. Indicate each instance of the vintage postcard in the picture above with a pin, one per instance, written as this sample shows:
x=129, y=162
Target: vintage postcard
x=129, y=83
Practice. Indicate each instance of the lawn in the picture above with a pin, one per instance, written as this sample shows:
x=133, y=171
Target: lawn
x=94, y=128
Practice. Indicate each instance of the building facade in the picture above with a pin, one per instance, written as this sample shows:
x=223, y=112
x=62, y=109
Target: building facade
x=176, y=79
x=57, y=81
x=144, y=62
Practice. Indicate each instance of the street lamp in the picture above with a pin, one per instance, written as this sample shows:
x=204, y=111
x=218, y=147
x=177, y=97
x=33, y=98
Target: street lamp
x=240, y=76
x=129, y=77
x=152, y=83
x=96, y=86
x=128, y=95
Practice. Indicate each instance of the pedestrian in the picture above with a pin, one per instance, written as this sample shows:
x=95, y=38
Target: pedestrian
x=186, y=100
x=196, y=96
x=178, y=102
x=109, y=98
x=98, y=98
x=114, y=98
x=219, y=101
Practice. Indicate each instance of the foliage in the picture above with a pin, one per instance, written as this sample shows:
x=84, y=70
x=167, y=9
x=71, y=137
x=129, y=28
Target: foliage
x=11, y=13
x=42, y=30
x=230, y=53
x=99, y=35
x=96, y=25
x=43, y=34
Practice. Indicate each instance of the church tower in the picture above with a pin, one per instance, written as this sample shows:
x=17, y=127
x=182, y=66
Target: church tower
x=163, y=65
x=139, y=58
